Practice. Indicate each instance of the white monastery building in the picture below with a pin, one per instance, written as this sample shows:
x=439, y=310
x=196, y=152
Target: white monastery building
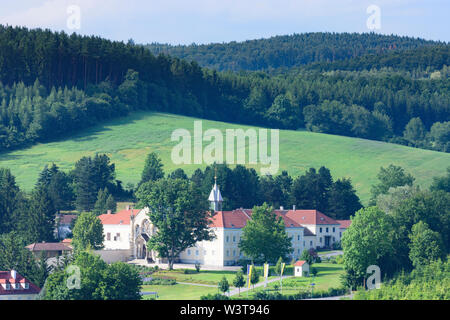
x=126, y=234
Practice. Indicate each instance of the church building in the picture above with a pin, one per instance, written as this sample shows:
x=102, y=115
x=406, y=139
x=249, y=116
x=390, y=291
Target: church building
x=127, y=233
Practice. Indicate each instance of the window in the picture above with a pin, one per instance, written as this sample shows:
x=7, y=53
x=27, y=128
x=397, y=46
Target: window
x=310, y=243
x=340, y=234
x=234, y=238
x=16, y=285
x=108, y=236
x=320, y=239
x=320, y=230
x=27, y=285
x=298, y=237
x=228, y=253
x=234, y=253
x=189, y=252
x=117, y=237
x=326, y=230
x=196, y=252
x=228, y=238
x=334, y=229
x=304, y=243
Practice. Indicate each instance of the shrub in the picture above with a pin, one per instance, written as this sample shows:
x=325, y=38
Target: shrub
x=197, y=267
x=161, y=282
x=214, y=296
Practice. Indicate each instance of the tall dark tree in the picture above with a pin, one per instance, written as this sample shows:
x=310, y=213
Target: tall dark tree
x=42, y=216
x=153, y=169
x=343, y=201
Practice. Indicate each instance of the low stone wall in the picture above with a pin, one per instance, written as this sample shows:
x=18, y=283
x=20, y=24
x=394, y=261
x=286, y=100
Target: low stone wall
x=110, y=256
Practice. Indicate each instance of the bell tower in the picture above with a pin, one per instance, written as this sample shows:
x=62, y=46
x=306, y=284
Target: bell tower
x=215, y=198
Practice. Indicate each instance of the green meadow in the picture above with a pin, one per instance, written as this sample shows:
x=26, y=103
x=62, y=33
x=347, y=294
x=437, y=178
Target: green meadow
x=128, y=140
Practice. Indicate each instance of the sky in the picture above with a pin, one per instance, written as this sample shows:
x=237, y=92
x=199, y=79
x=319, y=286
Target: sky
x=211, y=21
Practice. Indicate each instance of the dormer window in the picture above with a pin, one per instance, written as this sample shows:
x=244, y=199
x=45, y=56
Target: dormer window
x=16, y=286
x=7, y=286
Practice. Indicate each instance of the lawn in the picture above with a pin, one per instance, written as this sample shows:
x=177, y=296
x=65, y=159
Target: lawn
x=328, y=276
x=128, y=140
x=202, y=277
x=178, y=292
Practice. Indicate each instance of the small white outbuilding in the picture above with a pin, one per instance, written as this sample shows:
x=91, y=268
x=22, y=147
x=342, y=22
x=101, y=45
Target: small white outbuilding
x=301, y=269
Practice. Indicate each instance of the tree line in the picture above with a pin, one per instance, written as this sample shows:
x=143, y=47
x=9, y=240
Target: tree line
x=53, y=84
x=289, y=51
x=406, y=229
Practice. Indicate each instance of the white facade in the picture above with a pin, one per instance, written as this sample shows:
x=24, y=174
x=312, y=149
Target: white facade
x=116, y=236
x=132, y=237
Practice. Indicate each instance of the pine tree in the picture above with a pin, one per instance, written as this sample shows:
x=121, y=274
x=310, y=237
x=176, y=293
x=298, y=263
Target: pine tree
x=42, y=216
x=153, y=169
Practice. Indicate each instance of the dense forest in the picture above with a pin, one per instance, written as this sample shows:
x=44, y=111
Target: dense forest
x=288, y=51
x=53, y=84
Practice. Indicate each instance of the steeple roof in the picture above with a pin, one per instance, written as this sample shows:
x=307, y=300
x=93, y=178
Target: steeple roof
x=215, y=195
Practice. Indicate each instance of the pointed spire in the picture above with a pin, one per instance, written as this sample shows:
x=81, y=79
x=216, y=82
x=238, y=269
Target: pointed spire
x=215, y=197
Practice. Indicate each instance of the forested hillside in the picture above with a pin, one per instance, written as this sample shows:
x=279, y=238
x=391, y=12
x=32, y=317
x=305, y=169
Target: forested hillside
x=288, y=51
x=53, y=84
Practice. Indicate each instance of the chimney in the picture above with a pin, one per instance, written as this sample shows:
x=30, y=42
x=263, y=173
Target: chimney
x=14, y=274
x=108, y=212
x=281, y=208
x=293, y=207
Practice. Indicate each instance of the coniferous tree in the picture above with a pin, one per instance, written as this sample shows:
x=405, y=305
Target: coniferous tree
x=153, y=169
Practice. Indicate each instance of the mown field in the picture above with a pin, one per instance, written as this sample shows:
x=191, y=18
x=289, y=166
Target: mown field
x=128, y=140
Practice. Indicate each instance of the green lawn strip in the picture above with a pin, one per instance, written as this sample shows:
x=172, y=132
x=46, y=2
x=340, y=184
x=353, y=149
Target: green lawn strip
x=177, y=291
x=203, y=277
x=128, y=140
x=328, y=276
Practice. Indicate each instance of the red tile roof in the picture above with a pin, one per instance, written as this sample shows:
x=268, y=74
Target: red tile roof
x=292, y=218
x=48, y=246
x=344, y=223
x=6, y=277
x=121, y=217
x=299, y=263
x=310, y=217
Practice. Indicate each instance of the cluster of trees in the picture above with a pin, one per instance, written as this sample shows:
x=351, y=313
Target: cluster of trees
x=312, y=190
x=91, y=278
x=53, y=84
x=406, y=229
x=437, y=138
x=428, y=283
x=288, y=51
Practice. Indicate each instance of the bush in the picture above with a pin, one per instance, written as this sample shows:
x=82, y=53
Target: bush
x=161, y=282
x=197, y=267
x=214, y=296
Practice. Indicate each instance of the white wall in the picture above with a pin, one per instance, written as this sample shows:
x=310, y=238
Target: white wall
x=123, y=242
x=110, y=256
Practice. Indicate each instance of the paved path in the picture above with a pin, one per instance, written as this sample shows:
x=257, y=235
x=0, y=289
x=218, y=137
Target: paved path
x=259, y=284
x=334, y=298
x=330, y=254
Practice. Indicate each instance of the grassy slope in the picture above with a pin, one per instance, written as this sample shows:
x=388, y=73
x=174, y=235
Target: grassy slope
x=128, y=140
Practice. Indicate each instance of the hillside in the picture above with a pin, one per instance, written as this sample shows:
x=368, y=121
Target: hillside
x=53, y=85
x=127, y=140
x=288, y=50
